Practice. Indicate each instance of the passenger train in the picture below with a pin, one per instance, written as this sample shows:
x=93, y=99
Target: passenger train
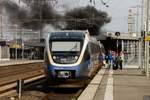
x=71, y=55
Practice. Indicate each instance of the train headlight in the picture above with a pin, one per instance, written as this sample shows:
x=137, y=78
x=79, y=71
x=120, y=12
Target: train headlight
x=54, y=57
x=76, y=57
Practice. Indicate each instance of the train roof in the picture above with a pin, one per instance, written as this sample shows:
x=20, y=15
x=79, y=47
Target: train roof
x=68, y=34
x=70, y=31
x=71, y=34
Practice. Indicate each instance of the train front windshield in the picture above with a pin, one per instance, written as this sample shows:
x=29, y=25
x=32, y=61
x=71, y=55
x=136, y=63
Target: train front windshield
x=65, y=52
x=65, y=47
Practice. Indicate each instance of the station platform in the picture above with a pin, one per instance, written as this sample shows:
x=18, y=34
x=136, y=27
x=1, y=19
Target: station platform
x=16, y=62
x=125, y=84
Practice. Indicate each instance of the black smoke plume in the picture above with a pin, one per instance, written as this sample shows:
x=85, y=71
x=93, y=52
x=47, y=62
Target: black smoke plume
x=44, y=14
x=86, y=18
x=39, y=14
x=14, y=11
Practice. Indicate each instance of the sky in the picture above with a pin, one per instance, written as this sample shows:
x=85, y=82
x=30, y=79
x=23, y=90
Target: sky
x=118, y=10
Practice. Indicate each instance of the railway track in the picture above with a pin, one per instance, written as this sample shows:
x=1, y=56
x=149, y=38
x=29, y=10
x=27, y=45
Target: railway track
x=11, y=73
x=35, y=87
x=63, y=94
x=10, y=88
x=17, y=69
x=34, y=83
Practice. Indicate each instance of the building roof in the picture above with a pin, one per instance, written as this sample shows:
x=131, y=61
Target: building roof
x=123, y=36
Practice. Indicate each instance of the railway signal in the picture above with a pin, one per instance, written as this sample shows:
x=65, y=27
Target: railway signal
x=117, y=34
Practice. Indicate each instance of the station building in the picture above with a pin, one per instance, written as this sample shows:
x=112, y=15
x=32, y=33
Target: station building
x=126, y=43
x=32, y=49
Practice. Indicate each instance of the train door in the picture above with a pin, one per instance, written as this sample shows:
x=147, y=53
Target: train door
x=91, y=64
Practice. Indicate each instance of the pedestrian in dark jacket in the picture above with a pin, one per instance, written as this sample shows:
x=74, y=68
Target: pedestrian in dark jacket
x=110, y=59
x=120, y=63
x=120, y=60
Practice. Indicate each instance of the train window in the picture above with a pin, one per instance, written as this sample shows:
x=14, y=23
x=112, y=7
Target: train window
x=65, y=46
x=89, y=47
x=87, y=53
x=94, y=48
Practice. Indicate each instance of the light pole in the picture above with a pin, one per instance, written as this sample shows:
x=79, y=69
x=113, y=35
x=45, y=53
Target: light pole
x=1, y=25
x=22, y=44
x=141, y=42
x=147, y=42
x=41, y=12
x=16, y=45
x=117, y=34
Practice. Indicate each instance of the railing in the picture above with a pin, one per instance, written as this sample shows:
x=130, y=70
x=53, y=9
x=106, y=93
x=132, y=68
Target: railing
x=8, y=88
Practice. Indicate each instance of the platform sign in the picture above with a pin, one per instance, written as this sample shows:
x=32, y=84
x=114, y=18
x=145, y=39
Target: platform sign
x=147, y=38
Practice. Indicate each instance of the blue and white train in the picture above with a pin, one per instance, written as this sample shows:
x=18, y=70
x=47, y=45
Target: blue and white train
x=71, y=55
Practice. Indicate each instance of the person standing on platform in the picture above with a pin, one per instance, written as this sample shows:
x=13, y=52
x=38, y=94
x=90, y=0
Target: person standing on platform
x=120, y=60
x=100, y=57
x=106, y=61
x=110, y=59
x=115, y=61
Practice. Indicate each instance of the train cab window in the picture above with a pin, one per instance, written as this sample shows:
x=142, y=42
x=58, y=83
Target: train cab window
x=65, y=46
x=65, y=52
